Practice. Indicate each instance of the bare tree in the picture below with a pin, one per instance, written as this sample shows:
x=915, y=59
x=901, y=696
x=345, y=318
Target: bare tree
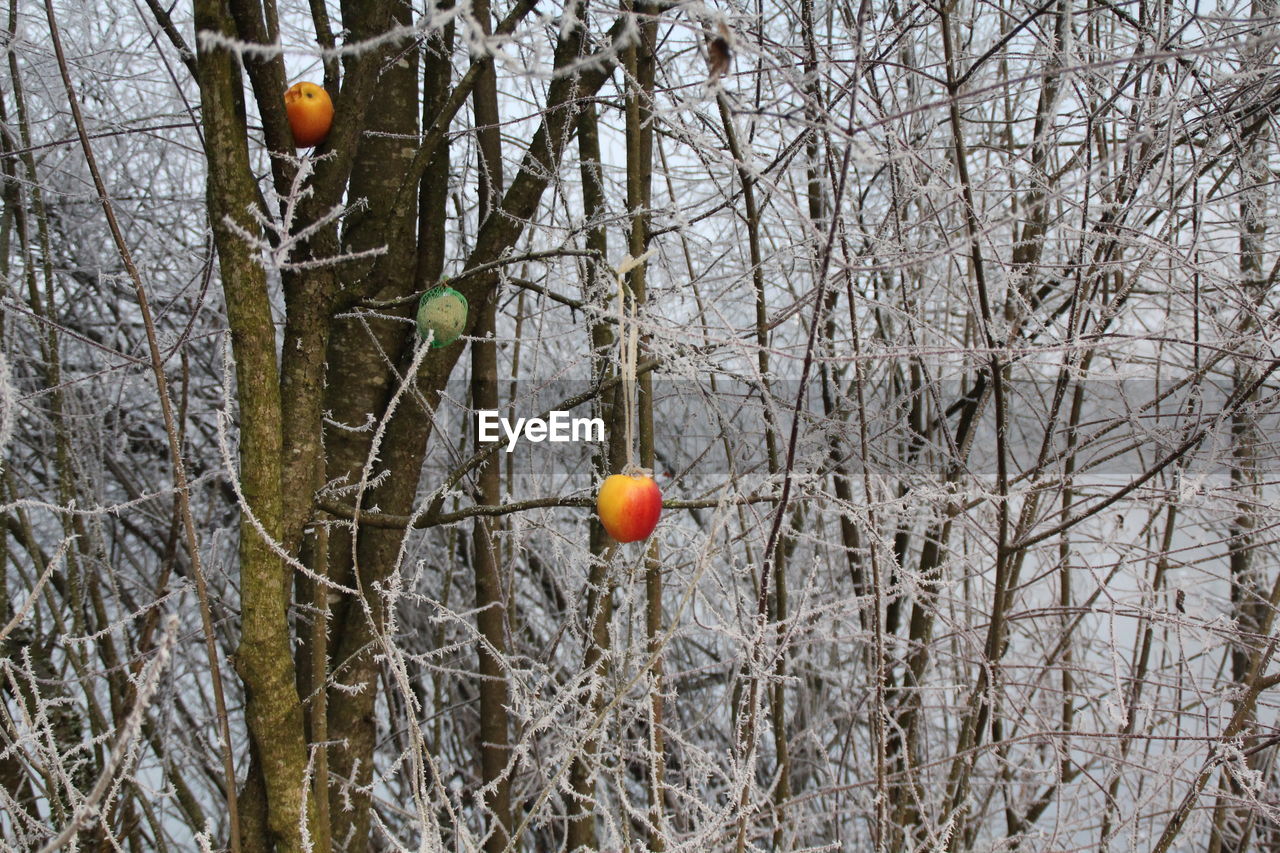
x=948, y=333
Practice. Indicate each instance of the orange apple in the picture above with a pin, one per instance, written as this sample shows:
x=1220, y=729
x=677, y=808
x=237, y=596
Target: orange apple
x=310, y=112
x=629, y=506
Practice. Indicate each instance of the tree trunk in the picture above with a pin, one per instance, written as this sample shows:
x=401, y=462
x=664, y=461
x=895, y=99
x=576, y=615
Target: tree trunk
x=272, y=801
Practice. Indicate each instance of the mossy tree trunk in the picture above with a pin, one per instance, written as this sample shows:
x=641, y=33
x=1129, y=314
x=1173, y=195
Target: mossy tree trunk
x=301, y=405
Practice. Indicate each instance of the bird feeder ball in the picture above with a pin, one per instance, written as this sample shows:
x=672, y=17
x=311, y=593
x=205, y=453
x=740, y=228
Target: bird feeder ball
x=442, y=315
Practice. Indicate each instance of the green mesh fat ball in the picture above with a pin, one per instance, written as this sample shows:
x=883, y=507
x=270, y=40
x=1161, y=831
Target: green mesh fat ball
x=442, y=311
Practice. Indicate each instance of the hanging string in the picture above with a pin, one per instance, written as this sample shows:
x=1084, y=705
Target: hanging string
x=629, y=355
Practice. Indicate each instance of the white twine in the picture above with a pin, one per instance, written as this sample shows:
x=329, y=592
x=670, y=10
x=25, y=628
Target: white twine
x=629, y=355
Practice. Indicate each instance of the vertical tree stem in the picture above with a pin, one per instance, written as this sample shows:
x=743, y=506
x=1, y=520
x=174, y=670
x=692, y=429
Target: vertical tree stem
x=170, y=427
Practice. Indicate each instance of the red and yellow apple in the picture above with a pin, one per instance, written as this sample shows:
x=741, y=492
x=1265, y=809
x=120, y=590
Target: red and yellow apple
x=310, y=112
x=629, y=506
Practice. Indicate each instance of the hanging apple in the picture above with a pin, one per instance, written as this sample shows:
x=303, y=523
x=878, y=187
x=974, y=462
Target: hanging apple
x=310, y=112
x=629, y=506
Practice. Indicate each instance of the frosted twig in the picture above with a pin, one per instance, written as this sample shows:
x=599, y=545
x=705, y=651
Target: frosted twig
x=150, y=681
x=54, y=562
